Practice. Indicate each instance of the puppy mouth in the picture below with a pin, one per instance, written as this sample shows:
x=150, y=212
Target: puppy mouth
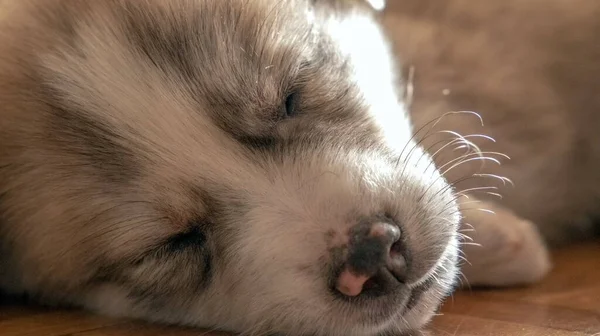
x=380, y=309
x=416, y=293
x=375, y=289
x=411, y=295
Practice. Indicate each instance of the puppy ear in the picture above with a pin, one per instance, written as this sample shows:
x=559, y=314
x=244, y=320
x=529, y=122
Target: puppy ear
x=377, y=5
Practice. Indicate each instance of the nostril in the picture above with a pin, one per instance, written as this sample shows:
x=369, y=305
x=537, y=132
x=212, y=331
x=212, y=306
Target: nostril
x=375, y=263
x=396, y=264
x=397, y=248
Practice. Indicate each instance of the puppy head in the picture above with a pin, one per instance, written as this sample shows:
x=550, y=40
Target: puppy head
x=244, y=165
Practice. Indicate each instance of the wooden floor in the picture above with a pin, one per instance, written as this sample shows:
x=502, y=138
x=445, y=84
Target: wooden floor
x=566, y=304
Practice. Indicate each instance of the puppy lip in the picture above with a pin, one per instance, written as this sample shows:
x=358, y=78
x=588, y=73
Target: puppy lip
x=351, y=284
x=398, y=290
x=383, y=282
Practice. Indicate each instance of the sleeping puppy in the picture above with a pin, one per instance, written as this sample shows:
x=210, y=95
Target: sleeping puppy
x=245, y=165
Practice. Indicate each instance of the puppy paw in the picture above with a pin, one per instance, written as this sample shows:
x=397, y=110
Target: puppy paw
x=502, y=249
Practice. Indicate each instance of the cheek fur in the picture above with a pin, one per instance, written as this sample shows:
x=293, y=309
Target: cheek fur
x=133, y=126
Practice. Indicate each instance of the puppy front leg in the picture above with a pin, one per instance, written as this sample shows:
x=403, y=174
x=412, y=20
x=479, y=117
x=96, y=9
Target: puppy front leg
x=500, y=248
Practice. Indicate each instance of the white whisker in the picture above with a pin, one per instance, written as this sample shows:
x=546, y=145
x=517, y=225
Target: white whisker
x=478, y=189
x=482, y=159
x=470, y=244
x=504, y=180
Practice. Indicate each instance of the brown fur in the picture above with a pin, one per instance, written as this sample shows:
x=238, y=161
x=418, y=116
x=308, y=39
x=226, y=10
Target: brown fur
x=186, y=161
x=202, y=162
x=532, y=70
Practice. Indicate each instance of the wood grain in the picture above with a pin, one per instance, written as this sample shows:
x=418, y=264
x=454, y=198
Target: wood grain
x=566, y=304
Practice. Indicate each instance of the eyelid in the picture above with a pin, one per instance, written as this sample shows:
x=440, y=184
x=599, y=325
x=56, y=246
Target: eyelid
x=290, y=104
x=194, y=236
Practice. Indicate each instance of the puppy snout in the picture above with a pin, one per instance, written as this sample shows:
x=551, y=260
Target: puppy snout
x=375, y=263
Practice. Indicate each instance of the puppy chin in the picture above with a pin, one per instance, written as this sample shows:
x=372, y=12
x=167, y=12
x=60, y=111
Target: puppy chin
x=422, y=313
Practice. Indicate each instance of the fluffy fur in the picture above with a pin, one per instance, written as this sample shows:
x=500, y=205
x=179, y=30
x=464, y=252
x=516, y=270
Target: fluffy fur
x=195, y=162
x=201, y=162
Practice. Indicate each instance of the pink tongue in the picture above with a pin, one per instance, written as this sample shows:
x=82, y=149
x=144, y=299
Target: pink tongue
x=350, y=284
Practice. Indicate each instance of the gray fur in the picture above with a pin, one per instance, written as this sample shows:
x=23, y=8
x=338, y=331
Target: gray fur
x=152, y=172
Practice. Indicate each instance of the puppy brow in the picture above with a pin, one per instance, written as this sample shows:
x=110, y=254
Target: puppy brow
x=92, y=141
x=168, y=49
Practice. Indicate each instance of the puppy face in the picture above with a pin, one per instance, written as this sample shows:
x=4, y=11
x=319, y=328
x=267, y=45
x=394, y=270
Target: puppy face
x=244, y=165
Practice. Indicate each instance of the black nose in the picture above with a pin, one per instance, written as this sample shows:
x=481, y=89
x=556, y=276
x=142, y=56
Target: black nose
x=375, y=263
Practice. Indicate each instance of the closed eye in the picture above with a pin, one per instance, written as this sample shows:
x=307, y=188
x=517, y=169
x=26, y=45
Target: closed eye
x=192, y=238
x=191, y=242
x=290, y=107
